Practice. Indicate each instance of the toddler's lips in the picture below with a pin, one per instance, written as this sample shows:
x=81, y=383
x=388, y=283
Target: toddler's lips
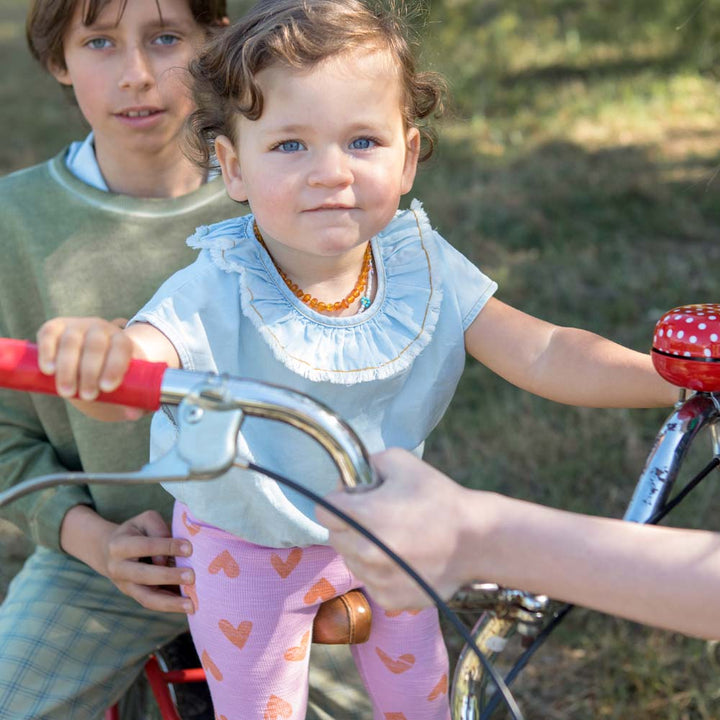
x=331, y=206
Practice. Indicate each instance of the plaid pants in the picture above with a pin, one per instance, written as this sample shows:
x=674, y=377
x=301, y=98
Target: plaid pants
x=71, y=643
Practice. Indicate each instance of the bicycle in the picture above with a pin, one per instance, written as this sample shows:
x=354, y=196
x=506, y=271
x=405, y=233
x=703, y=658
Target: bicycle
x=211, y=410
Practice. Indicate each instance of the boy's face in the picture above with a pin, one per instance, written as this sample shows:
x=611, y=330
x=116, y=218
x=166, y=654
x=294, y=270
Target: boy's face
x=324, y=166
x=129, y=76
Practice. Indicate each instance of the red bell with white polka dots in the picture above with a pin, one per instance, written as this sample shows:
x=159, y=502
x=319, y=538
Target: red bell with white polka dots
x=686, y=347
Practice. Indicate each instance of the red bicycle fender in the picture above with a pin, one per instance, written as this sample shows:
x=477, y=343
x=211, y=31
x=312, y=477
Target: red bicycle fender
x=19, y=370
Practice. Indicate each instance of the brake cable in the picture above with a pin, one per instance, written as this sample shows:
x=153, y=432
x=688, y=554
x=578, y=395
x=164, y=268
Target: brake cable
x=565, y=609
x=504, y=693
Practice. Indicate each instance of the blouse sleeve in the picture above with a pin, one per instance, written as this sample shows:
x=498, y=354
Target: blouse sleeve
x=471, y=287
x=185, y=310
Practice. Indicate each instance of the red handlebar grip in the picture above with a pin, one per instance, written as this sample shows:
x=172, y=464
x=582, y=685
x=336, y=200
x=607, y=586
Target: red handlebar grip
x=19, y=370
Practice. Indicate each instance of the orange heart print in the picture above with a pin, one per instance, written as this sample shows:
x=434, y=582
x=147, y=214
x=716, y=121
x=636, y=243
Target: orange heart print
x=224, y=562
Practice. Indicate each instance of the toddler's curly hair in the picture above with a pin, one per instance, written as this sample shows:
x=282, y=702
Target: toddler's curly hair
x=301, y=34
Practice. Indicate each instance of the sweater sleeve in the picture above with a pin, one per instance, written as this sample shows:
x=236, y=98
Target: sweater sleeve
x=26, y=453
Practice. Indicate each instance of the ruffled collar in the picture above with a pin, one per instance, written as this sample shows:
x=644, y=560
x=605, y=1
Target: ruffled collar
x=379, y=343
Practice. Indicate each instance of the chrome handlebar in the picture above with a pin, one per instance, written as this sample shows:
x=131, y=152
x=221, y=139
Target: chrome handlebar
x=211, y=409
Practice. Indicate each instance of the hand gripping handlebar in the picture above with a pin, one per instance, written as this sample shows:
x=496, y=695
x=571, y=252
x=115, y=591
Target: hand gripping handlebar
x=210, y=413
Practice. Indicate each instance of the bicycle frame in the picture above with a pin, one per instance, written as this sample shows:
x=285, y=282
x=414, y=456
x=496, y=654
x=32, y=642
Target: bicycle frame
x=161, y=681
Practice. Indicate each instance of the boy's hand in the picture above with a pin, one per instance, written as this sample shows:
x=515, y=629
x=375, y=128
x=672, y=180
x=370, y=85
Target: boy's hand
x=153, y=583
x=138, y=556
x=86, y=355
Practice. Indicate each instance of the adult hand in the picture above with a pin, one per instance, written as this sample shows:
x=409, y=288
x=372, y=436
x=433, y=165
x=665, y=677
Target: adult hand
x=421, y=515
x=138, y=556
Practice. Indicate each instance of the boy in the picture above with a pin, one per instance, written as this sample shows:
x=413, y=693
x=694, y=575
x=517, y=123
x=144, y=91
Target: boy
x=83, y=613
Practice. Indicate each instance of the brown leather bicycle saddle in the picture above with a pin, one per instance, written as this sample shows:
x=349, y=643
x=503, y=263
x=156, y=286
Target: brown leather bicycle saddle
x=344, y=620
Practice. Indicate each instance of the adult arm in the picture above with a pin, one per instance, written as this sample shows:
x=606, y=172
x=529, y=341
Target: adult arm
x=666, y=577
x=563, y=364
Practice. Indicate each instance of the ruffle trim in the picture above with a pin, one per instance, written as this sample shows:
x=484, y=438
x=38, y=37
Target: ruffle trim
x=380, y=343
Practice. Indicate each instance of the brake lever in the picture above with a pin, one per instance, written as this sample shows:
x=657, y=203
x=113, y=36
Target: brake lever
x=205, y=448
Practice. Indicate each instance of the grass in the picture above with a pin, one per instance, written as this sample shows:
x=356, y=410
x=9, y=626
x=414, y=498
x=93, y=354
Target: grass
x=578, y=167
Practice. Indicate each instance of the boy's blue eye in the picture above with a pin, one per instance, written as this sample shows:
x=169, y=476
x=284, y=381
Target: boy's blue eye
x=98, y=43
x=362, y=144
x=290, y=146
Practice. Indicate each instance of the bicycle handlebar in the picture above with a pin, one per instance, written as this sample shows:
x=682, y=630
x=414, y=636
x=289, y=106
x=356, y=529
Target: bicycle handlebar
x=140, y=388
x=146, y=385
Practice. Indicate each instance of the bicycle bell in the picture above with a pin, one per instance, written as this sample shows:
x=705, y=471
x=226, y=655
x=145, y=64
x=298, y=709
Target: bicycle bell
x=686, y=347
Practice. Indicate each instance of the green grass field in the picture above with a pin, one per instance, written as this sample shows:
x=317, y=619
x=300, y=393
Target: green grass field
x=578, y=166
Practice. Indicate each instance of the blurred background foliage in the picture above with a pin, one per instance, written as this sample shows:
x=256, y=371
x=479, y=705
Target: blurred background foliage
x=577, y=166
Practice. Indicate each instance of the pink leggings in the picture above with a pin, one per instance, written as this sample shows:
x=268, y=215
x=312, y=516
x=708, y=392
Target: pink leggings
x=252, y=626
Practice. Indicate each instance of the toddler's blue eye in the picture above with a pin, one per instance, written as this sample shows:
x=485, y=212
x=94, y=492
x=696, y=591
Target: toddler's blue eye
x=167, y=39
x=362, y=144
x=290, y=146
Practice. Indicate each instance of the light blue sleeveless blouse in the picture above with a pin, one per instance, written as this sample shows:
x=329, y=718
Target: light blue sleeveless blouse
x=390, y=371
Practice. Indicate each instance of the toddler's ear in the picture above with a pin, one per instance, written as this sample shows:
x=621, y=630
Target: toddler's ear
x=230, y=166
x=412, y=153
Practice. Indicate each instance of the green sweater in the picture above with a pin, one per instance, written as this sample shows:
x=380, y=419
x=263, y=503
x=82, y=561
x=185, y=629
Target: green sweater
x=69, y=249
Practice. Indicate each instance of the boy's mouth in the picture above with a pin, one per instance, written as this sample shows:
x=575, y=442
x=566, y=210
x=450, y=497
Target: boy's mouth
x=138, y=112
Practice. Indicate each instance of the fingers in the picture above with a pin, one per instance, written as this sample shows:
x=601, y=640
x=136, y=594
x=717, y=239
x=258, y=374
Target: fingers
x=48, y=337
x=162, y=600
x=142, y=573
x=147, y=536
x=364, y=506
x=104, y=361
x=159, y=549
x=86, y=355
x=154, y=585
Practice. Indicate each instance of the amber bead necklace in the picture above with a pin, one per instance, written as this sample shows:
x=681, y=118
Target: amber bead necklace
x=364, y=283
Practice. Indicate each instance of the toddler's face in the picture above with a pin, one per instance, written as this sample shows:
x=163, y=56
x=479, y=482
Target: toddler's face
x=324, y=166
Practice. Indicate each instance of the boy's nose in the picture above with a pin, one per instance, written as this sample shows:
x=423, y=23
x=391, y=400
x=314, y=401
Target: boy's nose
x=331, y=168
x=136, y=70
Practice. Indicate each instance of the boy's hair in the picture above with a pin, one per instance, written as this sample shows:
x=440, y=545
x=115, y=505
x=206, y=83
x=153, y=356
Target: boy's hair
x=299, y=34
x=48, y=21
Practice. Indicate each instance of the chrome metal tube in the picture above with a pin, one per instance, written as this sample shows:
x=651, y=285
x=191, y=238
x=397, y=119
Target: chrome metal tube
x=284, y=405
x=670, y=448
x=507, y=611
x=469, y=692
